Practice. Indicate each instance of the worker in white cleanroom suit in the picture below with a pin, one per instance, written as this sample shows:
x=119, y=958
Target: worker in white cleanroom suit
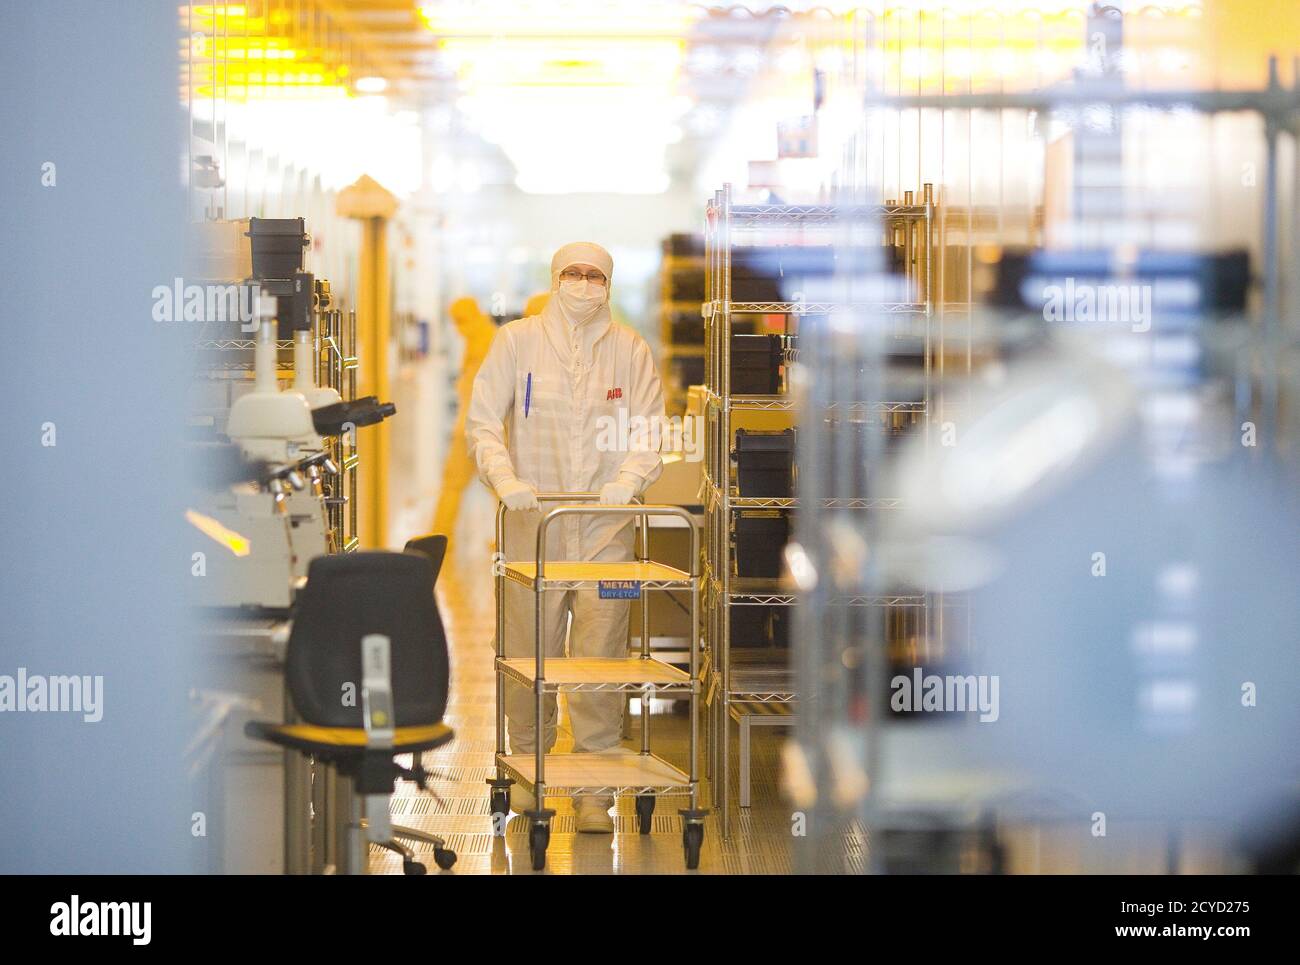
x=551, y=411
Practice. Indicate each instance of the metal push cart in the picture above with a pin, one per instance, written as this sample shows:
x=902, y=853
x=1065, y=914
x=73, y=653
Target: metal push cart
x=616, y=771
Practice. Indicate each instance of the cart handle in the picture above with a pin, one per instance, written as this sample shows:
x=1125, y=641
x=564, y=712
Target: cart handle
x=631, y=509
x=541, y=498
x=643, y=512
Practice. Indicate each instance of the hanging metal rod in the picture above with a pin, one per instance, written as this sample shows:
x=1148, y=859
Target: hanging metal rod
x=1276, y=102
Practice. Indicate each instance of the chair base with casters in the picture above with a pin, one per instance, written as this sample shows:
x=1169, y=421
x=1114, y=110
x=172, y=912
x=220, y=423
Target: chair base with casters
x=372, y=772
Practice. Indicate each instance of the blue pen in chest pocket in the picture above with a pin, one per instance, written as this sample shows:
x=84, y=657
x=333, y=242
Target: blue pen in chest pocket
x=528, y=393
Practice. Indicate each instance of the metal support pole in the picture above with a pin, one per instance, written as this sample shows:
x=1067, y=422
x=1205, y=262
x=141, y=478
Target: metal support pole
x=358, y=847
x=297, y=803
x=499, y=577
x=723, y=648
x=539, y=683
x=643, y=522
x=744, y=760
x=693, y=768
x=371, y=204
x=1294, y=300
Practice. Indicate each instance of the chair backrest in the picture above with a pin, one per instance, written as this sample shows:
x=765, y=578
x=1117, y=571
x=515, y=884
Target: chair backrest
x=347, y=596
x=434, y=547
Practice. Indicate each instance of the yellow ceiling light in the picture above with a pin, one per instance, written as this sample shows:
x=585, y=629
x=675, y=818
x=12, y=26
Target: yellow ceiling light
x=228, y=18
x=251, y=68
x=213, y=10
x=241, y=79
x=527, y=68
x=496, y=44
x=526, y=63
x=239, y=53
x=241, y=48
x=564, y=19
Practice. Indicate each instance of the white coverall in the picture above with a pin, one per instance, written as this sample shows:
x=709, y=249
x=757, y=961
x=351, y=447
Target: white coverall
x=589, y=382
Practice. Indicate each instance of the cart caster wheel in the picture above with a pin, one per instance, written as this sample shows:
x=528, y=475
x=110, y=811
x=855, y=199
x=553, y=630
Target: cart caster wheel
x=444, y=858
x=413, y=868
x=645, y=809
x=539, y=836
x=692, y=839
x=500, y=809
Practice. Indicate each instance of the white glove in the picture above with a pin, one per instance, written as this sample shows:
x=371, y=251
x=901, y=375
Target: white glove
x=517, y=495
x=619, y=493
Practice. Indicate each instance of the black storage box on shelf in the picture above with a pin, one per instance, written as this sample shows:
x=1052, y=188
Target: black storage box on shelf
x=790, y=272
x=688, y=370
x=756, y=364
x=782, y=618
x=754, y=285
x=905, y=352
x=761, y=535
x=686, y=285
x=760, y=627
x=781, y=273
x=897, y=356
x=765, y=463
x=277, y=245
x=684, y=245
x=785, y=261
x=751, y=627
x=1182, y=282
x=295, y=309
x=687, y=328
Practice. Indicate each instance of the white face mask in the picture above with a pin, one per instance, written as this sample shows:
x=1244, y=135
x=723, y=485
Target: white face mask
x=581, y=300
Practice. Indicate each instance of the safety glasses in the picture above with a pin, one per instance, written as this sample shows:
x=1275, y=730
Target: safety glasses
x=573, y=274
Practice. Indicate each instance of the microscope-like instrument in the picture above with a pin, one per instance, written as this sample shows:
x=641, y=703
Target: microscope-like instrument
x=279, y=514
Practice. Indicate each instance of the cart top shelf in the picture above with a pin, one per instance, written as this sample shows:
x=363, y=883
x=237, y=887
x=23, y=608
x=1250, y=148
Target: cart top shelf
x=597, y=672
x=651, y=575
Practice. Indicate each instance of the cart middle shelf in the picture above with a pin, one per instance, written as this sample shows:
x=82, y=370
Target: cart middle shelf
x=572, y=574
x=598, y=673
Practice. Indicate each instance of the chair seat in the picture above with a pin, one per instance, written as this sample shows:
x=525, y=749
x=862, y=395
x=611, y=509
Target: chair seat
x=312, y=739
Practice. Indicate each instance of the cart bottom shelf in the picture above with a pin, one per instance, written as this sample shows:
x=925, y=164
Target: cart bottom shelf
x=608, y=772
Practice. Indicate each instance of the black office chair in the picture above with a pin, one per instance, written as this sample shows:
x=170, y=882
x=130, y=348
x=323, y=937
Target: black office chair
x=434, y=547
x=367, y=672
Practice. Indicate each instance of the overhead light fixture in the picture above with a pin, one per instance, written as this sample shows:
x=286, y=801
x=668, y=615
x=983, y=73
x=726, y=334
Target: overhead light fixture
x=371, y=85
x=527, y=69
x=463, y=19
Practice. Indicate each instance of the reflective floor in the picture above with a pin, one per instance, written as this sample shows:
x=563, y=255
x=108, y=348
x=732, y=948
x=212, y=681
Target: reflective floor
x=456, y=807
